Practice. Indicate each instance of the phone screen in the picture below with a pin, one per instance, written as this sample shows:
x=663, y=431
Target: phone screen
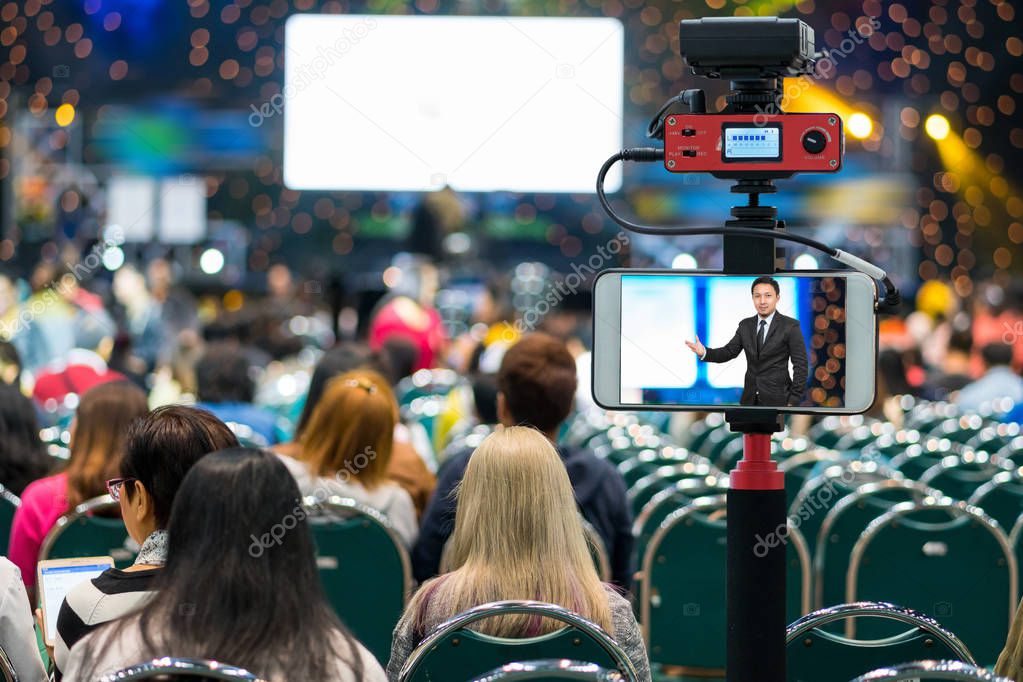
x=780, y=343
x=57, y=580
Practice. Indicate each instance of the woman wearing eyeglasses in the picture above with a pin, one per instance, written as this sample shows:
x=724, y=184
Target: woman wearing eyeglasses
x=160, y=449
x=346, y=446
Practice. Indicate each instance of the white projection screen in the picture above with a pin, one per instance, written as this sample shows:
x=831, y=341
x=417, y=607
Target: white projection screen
x=414, y=103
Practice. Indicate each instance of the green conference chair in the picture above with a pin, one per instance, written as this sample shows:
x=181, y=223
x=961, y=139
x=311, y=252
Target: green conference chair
x=425, y=383
x=942, y=558
x=551, y=670
x=994, y=437
x=1001, y=498
x=454, y=651
x=959, y=476
x=827, y=432
x=717, y=442
x=1016, y=543
x=364, y=569
x=923, y=671
x=1013, y=449
x=822, y=492
x=175, y=668
x=598, y=551
x=702, y=430
x=647, y=460
x=682, y=586
x=888, y=445
x=814, y=653
x=661, y=505
x=919, y=457
x=927, y=416
x=643, y=490
x=800, y=466
x=9, y=504
x=862, y=436
x=93, y=528
x=959, y=429
x=842, y=526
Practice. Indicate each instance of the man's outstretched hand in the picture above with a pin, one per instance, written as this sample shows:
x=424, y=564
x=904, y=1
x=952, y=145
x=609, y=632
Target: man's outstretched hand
x=697, y=347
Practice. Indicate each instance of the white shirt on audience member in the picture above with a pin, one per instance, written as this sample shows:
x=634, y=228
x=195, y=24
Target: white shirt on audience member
x=17, y=625
x=388, y=498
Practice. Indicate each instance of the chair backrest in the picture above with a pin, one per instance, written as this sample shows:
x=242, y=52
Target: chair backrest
x=7, y=672
x=959, y=476
x=919, y=457
x=842, y=526
x=815, y=653
x=172, y=668
x=83, y=532
x=356, y=546
x=663, y=477
x=453, y=651
x=550, y=670
x=1001, y=498
x=247, y=436
x=597, y=550
x=942, y=558
x=798, y=468
x=682, y=585
x=664, y=502
x=931, y=670
x=9, y=504
x=822, y=492
x=648, y=460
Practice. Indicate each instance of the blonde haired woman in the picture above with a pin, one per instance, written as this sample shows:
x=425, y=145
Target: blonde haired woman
x=517, y=536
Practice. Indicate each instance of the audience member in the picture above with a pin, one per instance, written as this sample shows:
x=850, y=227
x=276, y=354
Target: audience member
x=226, y=388
x=159, y=450
x=23, y=458
x=517, y=535
x=406, y=468
x=17, y=637
x=999, y=380
x=10, y=364
x=214, y=599
x=954, y=372
x=97, y=436
x=536, y=386
x=346, y=448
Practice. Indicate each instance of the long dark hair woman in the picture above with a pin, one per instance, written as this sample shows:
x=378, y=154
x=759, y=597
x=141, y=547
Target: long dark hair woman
x=240, y=585
x=23, y=458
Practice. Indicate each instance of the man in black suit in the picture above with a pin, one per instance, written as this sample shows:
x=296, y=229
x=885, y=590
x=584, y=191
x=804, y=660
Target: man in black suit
x=769, y=340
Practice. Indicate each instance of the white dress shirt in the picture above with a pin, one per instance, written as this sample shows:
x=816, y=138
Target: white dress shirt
x=767, y=327
x=17, y=632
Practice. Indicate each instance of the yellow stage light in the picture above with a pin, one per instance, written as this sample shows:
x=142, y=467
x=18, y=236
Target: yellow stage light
x=860, y=126
x=937, y=126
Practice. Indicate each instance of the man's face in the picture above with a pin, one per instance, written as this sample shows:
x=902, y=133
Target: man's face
x=764, y=299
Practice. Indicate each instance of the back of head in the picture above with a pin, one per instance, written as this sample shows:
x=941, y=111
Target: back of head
x=518, y=533
x=162, y=447
x=538, y=381
x=960, y=341
x=240, y=584
x=351, y=430
x=101, y=424
x=222, y=375
x=22, y=456
x=342, y=358
x=996, y=355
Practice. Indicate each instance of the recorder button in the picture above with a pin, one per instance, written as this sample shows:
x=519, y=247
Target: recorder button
x=814, y=141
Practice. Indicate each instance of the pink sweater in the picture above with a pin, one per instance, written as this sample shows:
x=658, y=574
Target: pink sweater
x=42, y=503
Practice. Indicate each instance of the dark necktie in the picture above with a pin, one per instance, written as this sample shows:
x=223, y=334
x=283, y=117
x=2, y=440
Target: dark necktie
x=760, y=336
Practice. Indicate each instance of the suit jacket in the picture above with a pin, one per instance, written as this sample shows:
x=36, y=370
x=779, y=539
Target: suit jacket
x=767, y=372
